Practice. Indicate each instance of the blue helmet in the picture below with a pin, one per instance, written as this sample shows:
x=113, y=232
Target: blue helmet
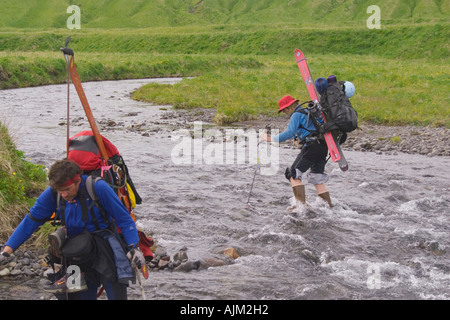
x=321, y=85
x=349, y=89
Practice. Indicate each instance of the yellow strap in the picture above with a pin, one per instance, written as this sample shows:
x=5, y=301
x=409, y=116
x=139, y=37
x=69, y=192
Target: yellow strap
x=131, y=195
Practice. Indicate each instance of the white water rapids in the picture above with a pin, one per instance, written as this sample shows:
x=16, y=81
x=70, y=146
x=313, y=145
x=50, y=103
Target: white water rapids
x=387, y=237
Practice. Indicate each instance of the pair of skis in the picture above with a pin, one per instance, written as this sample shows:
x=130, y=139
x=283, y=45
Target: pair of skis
x=333, y=147
x=72, y=72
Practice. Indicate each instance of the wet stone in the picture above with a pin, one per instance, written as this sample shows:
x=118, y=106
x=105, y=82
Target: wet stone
x=180, y=256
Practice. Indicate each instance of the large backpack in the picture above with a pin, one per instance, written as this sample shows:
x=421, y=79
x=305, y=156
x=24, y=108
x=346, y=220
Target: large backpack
x=84, y=151
x=338, y=110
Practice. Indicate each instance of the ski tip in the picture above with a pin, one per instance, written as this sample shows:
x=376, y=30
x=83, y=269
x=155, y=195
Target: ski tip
x=344, y=168
x=299, y=56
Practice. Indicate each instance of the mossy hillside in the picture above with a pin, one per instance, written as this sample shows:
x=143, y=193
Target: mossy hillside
x=107, y=14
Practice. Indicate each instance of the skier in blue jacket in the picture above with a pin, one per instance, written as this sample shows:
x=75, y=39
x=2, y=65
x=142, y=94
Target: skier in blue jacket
x=313, y=153
x=66, y=178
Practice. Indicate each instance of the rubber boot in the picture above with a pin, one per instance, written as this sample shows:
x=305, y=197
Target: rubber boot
x=299, y=193
x=326, y=196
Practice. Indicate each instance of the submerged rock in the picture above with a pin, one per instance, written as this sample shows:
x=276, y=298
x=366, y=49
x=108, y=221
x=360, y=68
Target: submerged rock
x=231, y=252
x=188, y=266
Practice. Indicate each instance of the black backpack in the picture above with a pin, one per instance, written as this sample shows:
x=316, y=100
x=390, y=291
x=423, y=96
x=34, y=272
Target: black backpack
x=337, y=108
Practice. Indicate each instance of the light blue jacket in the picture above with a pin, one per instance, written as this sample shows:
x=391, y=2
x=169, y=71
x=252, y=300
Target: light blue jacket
x=296, y=126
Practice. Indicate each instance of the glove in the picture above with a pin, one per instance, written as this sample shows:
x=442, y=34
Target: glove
x=136, y=258
x=4, y=258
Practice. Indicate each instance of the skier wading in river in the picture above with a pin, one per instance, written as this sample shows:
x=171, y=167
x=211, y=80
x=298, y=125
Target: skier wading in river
x=313, y=153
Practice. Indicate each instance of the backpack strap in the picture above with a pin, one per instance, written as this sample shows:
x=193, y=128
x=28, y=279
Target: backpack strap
x=84, y=209
x=90, y=188
x=312, y=133
x=57, y=198
x=300, y=109
x=90, y=182
x=61, y=206
x=37, y=220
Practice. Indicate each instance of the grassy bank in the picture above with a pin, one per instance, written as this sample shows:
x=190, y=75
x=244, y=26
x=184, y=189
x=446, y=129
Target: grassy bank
x=24, y=69
x=400, y=41
x=388, y=91
x=20, y=183
x=401, y=72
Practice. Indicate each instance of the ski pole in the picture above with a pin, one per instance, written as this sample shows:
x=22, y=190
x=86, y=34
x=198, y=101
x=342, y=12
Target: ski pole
x=254, y=175
x=68, y=93
x=68, y=118
x=84, y=102
x=138, y=276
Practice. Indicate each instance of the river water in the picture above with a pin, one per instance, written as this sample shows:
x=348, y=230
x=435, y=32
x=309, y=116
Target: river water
x=387, y=236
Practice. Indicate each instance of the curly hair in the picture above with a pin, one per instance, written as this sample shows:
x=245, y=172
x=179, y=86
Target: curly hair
x=62, y=171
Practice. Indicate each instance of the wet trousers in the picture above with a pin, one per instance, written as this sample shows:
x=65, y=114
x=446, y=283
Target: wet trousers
x=312, y=156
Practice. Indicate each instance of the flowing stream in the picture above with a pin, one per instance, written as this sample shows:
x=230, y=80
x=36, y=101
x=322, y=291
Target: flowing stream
x=387, y=236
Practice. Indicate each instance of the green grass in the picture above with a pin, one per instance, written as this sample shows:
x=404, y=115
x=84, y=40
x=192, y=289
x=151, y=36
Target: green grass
x=399, y=79
x=241, y=52
x=23, y=69
x=400, y=42
x=387, y=91
x=20, y=182
x=169, y=13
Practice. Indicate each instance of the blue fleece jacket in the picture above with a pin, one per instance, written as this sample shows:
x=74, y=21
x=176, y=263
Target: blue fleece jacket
x=45, y=207
x=297, y=119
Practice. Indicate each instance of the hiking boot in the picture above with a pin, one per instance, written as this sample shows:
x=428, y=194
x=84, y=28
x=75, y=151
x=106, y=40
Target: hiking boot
x=57, y=238
x=61, y=286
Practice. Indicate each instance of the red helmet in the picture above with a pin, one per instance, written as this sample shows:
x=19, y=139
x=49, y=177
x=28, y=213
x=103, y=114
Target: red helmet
x=285, y=102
